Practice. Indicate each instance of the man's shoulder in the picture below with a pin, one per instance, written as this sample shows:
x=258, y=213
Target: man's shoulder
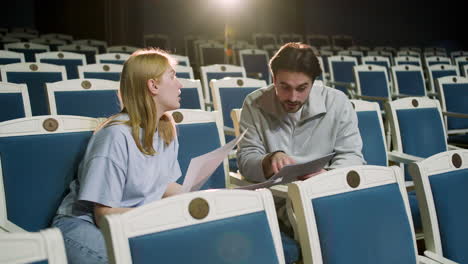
x=333, y=96
x=254, y=96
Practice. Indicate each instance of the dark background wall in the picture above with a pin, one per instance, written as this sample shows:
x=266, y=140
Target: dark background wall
x=370, y=22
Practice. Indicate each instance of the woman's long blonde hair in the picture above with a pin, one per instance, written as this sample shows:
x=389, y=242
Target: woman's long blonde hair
x=137, y=101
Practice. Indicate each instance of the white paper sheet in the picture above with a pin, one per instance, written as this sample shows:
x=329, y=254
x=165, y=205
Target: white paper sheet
x=201, y=167
x=290, y=173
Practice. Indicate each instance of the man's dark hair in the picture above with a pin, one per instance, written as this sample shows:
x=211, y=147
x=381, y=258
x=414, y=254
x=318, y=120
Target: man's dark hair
x=296, y=57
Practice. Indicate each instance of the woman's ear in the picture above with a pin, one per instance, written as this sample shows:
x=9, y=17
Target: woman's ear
x=152, y=87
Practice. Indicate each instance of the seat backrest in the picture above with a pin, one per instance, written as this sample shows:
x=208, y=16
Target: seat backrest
x=407, y=60
x=29, y=49
x=121, y=49
x=229, y=93
x=341, y=70
x=89, y=51
x=184, y=72
x=68, y=38
x=9, y=57
x=157, y=40
x=181, y=60
x=453, y=91
x=70, y=60
x=112, y=58
x=408, y=80
x=39, y=157
x=100, y=71
x=84, y=97
x=317, y=40
x=372, y=80
x=14, y=101
x=437, y=71
x=384, y=61
x=368, y=203
x=45, y=246
x=200, y=132
x=433, y=60
x=374, y=146
x=235, y=117
x=461, y=62
x=381, y=53
x=34, y=75
x=191, y=96
x=262, y=39
x=51, y=43
x=211, y=53
x=255, y=62
x=408, y=52
x=221, y=226
x=218, y=71
x=99, y=44
x=352, y=53
x=417, y=127
x=441, y=182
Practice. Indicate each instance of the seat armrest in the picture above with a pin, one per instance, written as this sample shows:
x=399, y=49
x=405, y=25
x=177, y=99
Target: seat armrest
x=367, y=97
x=438, y=258
x=454, y=114
x=229, y=131
x=402, y=157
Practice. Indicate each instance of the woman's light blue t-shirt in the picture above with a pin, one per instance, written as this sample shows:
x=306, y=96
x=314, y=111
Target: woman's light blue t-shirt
x=115, y=173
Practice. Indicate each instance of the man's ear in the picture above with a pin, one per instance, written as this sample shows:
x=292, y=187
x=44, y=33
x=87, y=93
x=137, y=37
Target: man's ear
x=152, y=87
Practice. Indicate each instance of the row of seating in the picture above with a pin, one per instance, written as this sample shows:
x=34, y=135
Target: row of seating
x=332, y=210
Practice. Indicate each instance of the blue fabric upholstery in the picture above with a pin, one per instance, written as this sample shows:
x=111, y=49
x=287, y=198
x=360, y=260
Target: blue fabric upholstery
x=90, y=55
x=415, y=212
x=87, y=103
x=410, y=83
x=343, y=72
x=383, y=64
x=291, y=249
x=438, y=62
x=450, y=194
x=37, y=171
x=183, y=75
x=422, y=133
x=36, y=87
x=460, y=65
x=11, y=106
x=189, y=98
x=415, y=63
x=456, y=98
x=220, y=75
x=121, y=62
x=233, y=98
x=4, y=61
x=257, y=63
x=442, y=73
x=374, y=84
x=364, y=226
x=111, y=76
x=29, y=54
x=373, y=147
x=196, y=140
x=239, y=239
x=40, y=262
x=71, y=65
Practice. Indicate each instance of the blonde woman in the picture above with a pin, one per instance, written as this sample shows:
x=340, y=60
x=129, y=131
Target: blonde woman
x=130, y=161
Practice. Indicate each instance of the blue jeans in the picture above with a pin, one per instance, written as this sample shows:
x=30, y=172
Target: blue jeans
x=84, y=242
